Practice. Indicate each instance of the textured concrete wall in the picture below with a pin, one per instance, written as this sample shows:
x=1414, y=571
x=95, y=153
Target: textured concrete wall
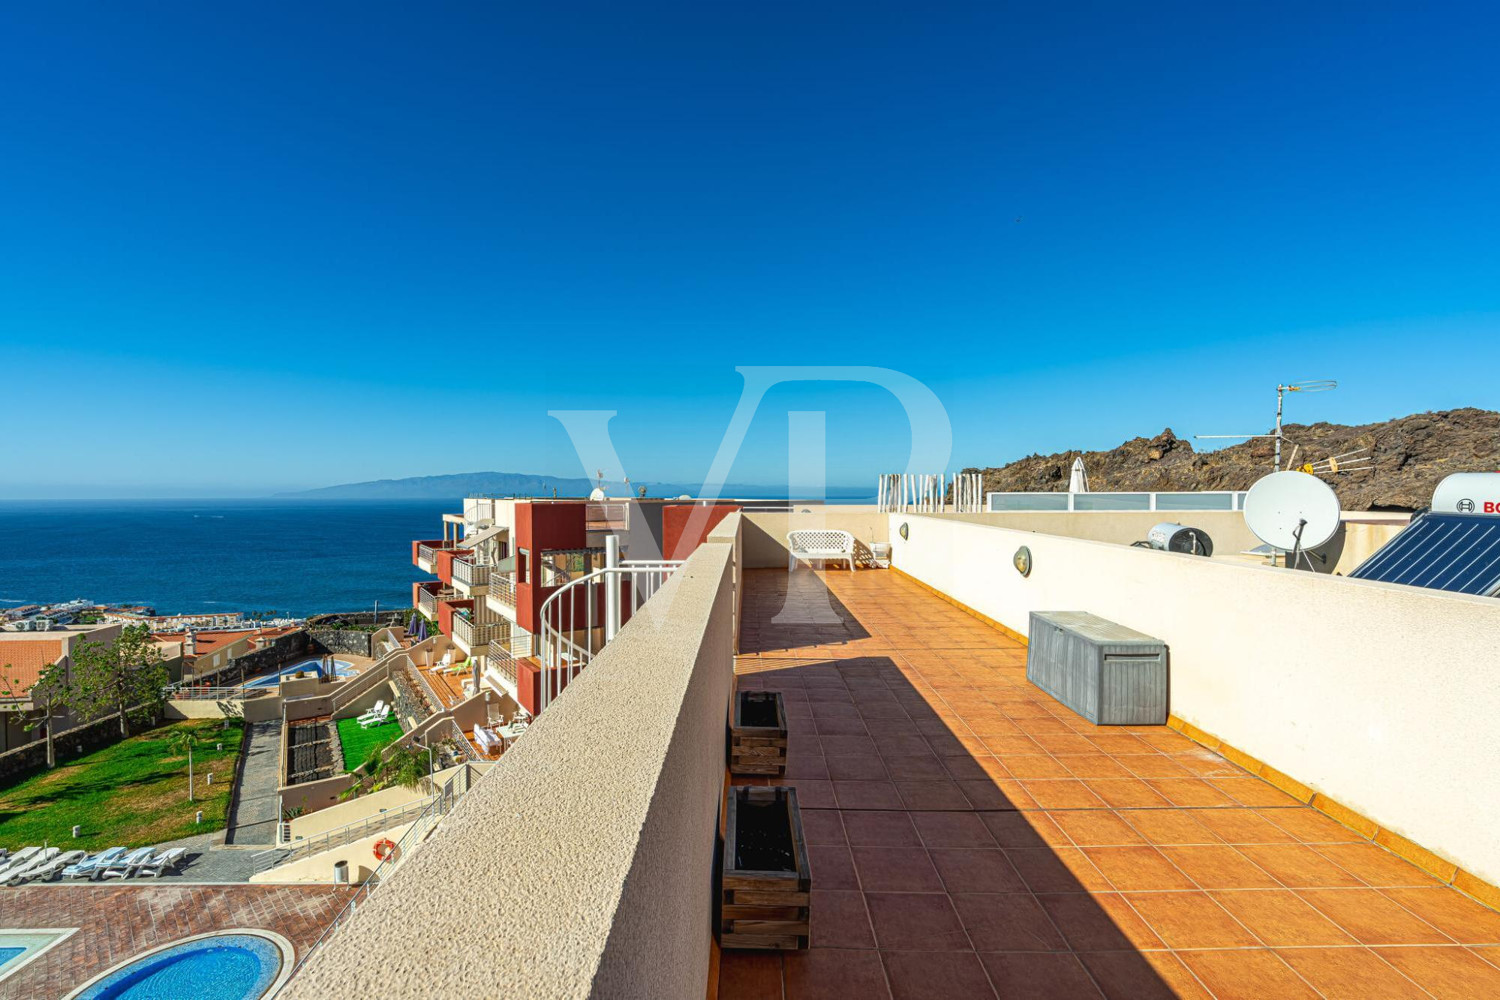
x=586, y=853
x=1378, y=696
x=764, y=532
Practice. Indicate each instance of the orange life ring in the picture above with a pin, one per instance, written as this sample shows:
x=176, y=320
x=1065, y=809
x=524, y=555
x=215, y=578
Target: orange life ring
x=384, y=849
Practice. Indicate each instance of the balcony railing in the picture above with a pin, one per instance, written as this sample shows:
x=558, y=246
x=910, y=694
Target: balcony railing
x=470, y=633
x=503, y=588
x=468, y=574
x=428, y=600
x=427, y=551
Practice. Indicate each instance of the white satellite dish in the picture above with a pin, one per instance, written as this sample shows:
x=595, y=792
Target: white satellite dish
x=596, y=495
x=1292, y=510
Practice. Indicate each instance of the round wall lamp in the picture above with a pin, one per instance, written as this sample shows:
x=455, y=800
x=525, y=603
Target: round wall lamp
x=1022, y=561
x=903, y=531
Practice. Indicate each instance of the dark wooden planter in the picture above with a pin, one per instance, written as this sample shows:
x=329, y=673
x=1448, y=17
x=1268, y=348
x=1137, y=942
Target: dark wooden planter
x=757, y=734
x=767, y=883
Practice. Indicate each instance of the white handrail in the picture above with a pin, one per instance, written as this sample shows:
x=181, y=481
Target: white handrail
x=561, y=656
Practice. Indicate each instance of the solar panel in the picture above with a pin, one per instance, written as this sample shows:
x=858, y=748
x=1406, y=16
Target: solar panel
x=1457, y=552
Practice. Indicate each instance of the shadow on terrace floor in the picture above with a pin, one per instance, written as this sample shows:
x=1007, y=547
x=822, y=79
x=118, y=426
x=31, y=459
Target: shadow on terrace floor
x=971, y=837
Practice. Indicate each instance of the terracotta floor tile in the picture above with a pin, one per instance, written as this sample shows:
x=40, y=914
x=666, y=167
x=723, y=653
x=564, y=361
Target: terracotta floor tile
x=1207, y=765
x=1349, y=973
x=1062, y=793
x=965, y=768
x=1372, y=918
x=839, y=919
x=878, y=829
x=1451, y=912
x=1168, y=826
x=1126, y=793
x=1281, y=918
x=1012, y=921
x=1190, y=792
x=1093, y=765
x=1154, y=765
x=1446, y=973
x=1251, y=791
x=1096, y=828
x=932, y=793
x=1247, y=974
x=1039, y=976
x=834, y=974
x=1219, y=867
x=1024, y=830
x=813, y=794
x=1298, y=866
x=749, y=975
x=1375, y=865
x=952, y=829
x=916, y=922
x=866, y=794
x=1241, y=826
x=1026, y=766
x=1007, y=746
x=965, y=870
x=894, y=869
x=1137, y=868
x=1129, y=975
x=1057, y=869
x=1310, y=826
x=936, y=975
x=852, y=726
x=822, y=826
x=913, y=768
x=1190, y=920
x=1098, y=921
x=1058, y=743
x=852, y=768
x=832, y=866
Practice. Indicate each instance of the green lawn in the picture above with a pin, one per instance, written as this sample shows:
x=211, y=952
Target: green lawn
x=359, y=743
x=134, y=793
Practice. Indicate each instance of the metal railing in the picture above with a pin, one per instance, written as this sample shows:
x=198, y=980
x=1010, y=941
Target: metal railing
x=503, y=588
x=191, y=692
x=305, y=847
x=607, y=513
x=572, y=628
x=471, y=633
x=437, y=807
x=466, y=572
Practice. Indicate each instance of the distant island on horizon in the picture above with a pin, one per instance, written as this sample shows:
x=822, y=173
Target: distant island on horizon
x=463, y=484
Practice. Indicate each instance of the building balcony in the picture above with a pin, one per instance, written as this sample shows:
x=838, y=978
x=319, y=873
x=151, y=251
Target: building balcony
x=500, y=593
x=430, y=594
x=469, y=578
x=969, y=835
x=471, y=635
x=424, y=553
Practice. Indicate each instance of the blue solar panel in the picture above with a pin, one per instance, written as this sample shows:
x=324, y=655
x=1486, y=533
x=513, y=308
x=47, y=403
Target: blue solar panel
x=1458, y=552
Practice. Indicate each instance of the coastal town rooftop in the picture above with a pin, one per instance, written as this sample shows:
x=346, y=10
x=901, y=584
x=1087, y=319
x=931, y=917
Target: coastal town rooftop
x=1317, y=818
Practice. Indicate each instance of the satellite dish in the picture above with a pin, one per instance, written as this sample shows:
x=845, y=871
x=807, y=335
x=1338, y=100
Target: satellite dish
x=1292, y=510
x=596, y=494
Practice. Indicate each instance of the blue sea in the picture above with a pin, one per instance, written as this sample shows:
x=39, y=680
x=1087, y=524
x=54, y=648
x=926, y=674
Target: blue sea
x=289, y=557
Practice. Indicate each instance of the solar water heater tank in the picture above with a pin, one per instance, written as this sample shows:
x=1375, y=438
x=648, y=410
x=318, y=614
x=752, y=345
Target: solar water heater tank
x=1170, y=537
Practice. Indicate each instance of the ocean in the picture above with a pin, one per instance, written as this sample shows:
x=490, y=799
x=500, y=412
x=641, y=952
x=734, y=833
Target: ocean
x=288, y=557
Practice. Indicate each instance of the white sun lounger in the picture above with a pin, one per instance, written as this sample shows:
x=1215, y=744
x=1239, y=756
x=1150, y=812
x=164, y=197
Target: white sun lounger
x=86, y=868
x=45, y=871
x=377, y=712
x=16, y=860
x=127, y=866
x=23, y=871
x=819, y=546
x=167, y=860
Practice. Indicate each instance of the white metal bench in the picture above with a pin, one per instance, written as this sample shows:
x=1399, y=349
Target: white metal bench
x=813, y=546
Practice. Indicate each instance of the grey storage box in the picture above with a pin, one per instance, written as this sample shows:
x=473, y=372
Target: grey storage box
x=1107, y=673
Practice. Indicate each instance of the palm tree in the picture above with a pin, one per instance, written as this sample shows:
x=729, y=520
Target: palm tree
x=182, y=740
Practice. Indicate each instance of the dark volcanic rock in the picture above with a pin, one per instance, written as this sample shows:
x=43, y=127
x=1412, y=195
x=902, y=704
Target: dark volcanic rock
x=1411, y=454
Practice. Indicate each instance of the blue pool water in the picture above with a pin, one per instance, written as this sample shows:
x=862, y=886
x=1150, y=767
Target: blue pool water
x=222, y=967
x=343, y=668
x=6, y=954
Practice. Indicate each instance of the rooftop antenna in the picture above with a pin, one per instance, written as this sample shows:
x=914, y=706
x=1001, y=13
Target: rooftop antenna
x=1306, y=385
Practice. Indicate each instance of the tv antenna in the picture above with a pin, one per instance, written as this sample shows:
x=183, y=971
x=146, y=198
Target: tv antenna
x=1306, y=385
x=1292, y=512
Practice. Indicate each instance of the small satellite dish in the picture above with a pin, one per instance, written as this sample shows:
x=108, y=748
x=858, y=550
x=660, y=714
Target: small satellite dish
x=1292, y=510
x=596, y=494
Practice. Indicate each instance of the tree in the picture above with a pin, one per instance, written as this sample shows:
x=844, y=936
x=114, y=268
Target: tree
x=182, y=740
x=126, y=676
x=51, y=691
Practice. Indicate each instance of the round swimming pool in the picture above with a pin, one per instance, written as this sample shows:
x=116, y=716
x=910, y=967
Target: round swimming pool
x=238, y=965
x=341, y=668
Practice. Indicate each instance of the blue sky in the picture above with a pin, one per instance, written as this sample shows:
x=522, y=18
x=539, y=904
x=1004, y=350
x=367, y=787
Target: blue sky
x=268, y=246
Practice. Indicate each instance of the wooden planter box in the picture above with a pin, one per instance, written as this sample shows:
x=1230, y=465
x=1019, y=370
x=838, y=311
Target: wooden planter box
x=757, y=734
x=767, y=883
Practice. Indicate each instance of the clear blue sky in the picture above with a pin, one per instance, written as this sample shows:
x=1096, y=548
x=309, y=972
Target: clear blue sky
x=258, y=247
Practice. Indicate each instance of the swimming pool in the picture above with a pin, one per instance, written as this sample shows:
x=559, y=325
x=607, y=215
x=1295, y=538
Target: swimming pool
x=239, y=965
x=342, y=668
x=19, y=947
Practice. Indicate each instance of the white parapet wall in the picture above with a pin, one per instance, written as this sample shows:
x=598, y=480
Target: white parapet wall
x=1384, y=698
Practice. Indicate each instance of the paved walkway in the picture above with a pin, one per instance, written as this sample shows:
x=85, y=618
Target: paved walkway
x=256, y=809
x=971, y=837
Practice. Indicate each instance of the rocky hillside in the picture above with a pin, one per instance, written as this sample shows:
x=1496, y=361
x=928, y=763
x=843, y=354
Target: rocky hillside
x=1411, y=454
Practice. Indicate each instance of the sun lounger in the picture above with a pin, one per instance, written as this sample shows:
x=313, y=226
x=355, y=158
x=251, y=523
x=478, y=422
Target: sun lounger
x=21, y=872
x=167, y=860
x=87, y=867
x=125, y=867
x=21, y=857
x=371, y=721
x=45, y=871
x=378, y=712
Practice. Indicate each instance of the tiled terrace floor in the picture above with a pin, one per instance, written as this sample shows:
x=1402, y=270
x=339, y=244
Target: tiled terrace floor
x=117, y=922
x=971, y=837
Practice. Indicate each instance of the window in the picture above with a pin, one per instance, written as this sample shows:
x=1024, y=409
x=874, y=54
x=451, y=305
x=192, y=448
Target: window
x=523, y=566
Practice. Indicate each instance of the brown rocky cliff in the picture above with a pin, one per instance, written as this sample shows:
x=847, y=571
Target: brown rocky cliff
x=1411, y=455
